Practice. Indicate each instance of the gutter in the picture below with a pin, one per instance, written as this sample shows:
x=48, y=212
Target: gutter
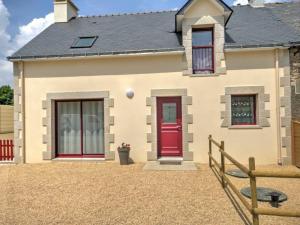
x=244, y=49
x=236, y=48
x=146, y=52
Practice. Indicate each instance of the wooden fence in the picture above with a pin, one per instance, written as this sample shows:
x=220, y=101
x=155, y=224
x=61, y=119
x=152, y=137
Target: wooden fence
x=253, y=208
x=296, y=143
x=6, y=119
x=6, y=150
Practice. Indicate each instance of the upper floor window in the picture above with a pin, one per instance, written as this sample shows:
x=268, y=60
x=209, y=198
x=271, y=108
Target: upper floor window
x=203, y=51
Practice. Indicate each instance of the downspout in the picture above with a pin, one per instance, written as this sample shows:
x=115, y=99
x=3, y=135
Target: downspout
x=23, y=111
x=278, y=106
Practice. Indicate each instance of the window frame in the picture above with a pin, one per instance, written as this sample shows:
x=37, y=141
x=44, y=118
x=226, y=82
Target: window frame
x=212, y=47
x=254, y=109
x=75, y=42
x=81, y=155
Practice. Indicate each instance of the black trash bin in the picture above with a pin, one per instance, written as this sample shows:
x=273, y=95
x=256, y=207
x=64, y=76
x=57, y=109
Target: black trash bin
x=124, y=154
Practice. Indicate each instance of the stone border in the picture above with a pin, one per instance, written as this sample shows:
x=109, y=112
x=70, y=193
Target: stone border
x=217, y=23
x=286, y=104
x=49, y=120
x=262, y=98
x=186, y=120
x=18, y=124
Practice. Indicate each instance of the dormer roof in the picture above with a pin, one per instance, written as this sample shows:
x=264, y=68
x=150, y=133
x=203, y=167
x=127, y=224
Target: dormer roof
x=180, y=14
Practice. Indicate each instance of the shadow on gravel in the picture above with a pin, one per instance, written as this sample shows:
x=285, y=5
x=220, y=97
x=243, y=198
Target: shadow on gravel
x=233, y=200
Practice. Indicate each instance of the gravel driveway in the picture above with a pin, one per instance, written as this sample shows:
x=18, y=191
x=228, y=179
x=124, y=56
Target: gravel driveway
x=106, y=193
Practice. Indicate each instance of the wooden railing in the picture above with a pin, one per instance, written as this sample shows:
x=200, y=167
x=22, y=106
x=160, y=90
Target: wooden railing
x=296, y=143
x=253, y=208
x=6, y=150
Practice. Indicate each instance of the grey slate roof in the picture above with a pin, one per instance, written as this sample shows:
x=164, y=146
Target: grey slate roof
x=116, y=34
x=288, y=13
x=267, y=26
x=146, y=32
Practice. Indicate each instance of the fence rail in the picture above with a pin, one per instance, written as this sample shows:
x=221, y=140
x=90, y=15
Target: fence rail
x=6, y=150
x=253, y=208
x=296, y=143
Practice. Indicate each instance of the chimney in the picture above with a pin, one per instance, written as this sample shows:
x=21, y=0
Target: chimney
x=257, y=3
x=64, y=10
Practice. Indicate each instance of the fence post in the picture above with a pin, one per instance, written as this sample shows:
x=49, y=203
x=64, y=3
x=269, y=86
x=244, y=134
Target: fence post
x=210, y=151
x=293, y=144
x=253, y=191
x=6, y=150
x=12, y=150
x=223, y=164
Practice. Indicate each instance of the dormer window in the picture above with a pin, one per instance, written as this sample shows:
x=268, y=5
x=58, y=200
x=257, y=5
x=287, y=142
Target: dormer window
x=203, y=51
x=84, y=42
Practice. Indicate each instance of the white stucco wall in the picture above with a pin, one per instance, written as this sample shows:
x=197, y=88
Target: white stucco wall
x=143, y=74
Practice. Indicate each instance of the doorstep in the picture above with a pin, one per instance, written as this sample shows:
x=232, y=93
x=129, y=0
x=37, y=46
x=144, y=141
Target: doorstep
x=170, y=160
x=157, y=166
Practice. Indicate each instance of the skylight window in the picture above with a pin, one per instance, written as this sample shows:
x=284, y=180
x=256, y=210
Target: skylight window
x=84, y=42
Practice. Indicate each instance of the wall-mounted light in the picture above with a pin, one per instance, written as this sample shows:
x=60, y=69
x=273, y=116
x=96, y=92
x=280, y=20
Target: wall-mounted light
x=129, y=93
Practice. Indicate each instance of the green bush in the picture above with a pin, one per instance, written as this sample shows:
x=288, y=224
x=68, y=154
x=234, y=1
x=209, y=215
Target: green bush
x=6, y=95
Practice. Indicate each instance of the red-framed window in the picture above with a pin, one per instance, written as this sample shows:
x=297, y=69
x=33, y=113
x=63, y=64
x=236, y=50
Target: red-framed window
x=203, y=50
x=243, y=109
x=79, y=128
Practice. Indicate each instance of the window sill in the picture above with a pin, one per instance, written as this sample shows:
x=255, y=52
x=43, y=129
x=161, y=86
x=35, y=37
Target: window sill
x=204, y=75
x=62, y=159
x=245, y=127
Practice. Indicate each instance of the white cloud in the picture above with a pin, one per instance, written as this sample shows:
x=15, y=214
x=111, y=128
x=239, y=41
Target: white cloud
x=4, y=37
x=5, y=69
x=32, y=29
x=240, y=2
x=245, y=2
x=9, y=45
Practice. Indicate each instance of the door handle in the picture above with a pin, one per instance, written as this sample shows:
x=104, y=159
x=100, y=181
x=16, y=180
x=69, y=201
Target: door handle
x=179, y=128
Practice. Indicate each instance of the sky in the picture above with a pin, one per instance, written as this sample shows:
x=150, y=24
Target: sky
x=22, y=20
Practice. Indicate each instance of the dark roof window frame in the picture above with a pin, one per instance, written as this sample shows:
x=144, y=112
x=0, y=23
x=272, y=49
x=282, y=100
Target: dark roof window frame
x=76, y=42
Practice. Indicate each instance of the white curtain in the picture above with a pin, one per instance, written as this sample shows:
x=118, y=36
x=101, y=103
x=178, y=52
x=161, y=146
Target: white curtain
x=68, y=130
x=93, y=127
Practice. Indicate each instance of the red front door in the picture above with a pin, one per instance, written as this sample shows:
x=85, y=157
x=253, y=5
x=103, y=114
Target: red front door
x=169, y=123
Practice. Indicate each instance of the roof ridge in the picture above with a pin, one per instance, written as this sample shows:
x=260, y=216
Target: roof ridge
x=270, y=3
x=281, y=3
x=129, y=14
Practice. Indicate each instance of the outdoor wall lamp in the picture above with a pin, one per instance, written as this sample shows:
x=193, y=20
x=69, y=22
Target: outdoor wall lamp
x=129, y=93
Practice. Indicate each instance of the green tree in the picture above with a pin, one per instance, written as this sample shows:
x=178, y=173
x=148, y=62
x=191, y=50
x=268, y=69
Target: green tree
x=6, y=95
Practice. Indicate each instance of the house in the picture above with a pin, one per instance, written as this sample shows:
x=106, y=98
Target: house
x=160, y=81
